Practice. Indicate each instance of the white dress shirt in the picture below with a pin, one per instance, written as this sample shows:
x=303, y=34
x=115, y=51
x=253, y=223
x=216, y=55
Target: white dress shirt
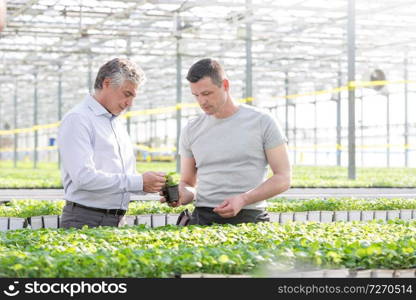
x=98, y=166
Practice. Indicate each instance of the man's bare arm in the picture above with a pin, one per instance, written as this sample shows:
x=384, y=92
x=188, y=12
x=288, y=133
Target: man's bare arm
x=278, y=160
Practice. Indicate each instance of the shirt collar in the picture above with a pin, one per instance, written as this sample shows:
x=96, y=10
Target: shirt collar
x=96, y=107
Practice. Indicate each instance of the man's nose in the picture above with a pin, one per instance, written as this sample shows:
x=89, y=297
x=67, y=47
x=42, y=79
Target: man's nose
x=201, y=100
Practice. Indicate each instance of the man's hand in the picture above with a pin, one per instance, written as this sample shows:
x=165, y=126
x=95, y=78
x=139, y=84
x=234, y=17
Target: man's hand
x=231, y=206
x=153, y=181
x=171, y=204
x=186, y=195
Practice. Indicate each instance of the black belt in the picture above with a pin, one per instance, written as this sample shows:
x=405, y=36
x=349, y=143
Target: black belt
x=116, y=212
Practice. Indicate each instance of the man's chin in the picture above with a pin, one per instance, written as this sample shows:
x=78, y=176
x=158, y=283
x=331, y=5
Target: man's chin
x=208, y=112
x=121, y=112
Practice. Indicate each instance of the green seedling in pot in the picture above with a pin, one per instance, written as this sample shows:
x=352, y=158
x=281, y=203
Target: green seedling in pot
x=172, y=178
x=170, y=190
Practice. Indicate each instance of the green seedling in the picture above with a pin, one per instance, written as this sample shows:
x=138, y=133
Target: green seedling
x=172, y=178
x=170, y=190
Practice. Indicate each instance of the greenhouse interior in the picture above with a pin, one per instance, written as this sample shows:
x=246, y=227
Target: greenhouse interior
x=290, y=58
x=339, y=78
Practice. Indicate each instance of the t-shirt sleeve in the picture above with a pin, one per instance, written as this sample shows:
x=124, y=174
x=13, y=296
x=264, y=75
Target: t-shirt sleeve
x=184, y=144
x=273, y=135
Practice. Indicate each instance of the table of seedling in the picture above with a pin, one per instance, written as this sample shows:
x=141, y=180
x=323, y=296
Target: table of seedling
x=318, y=228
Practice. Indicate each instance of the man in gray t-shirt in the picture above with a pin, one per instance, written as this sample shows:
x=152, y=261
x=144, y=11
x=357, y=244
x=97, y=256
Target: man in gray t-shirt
x=225, y=153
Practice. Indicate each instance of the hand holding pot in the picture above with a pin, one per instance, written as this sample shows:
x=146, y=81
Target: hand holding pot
x=153, y=182
x=186, y=195
x=170, y=195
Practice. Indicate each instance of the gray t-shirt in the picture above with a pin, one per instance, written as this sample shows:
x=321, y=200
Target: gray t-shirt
x=230, y=153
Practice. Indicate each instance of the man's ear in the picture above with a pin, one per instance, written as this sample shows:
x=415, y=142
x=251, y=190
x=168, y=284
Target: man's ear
x=106, y=82
x=226, y=84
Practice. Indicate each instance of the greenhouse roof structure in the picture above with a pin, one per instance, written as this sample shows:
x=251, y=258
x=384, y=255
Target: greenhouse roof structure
x=302, y=42
x=275, y=53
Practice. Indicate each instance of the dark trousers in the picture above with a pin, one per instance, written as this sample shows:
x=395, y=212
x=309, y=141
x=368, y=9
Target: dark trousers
x=205, y=216
x=74, y=216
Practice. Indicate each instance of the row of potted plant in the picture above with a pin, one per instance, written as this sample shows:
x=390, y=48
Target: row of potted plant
x=29, y=207
x=166, y=251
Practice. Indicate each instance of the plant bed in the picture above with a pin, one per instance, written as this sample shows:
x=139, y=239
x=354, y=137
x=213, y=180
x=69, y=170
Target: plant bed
x=48, y=175
x=341, y=209
x=165, y=251
x=26, y=208
x=158, y=220
x=339, y=204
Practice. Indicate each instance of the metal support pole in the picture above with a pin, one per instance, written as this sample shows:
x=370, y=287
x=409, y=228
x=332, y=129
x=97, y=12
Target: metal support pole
x=388, y=129
x=136, y=129
x=351, y=90
x=287, y=105
x=139, y=128
x=35, y=120
x=339, y=152
x=154, y=133
x=1, y=125
x=362, y=127
x=294, y=134
x=165, y=140
x=151, y=124
x=146, y=131
x=178, y=90
x=315, y=131
x=406, y=116
x=59, y=103
x=249, y=64
x=89, y=79
x=15, y=144
x=128, y=53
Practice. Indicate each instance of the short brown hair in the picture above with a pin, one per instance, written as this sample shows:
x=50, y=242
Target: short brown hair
x=206, y=67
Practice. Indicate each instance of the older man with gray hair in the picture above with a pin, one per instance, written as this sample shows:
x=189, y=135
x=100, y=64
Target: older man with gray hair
x=98, y=164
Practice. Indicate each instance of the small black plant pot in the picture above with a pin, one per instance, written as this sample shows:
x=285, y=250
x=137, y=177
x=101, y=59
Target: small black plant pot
x=171, y=193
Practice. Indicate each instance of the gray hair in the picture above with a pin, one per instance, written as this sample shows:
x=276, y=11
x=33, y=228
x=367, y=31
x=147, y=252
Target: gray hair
x=119, y=70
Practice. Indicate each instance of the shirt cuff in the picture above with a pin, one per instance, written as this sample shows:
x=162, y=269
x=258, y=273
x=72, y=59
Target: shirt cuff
x=135, y=183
